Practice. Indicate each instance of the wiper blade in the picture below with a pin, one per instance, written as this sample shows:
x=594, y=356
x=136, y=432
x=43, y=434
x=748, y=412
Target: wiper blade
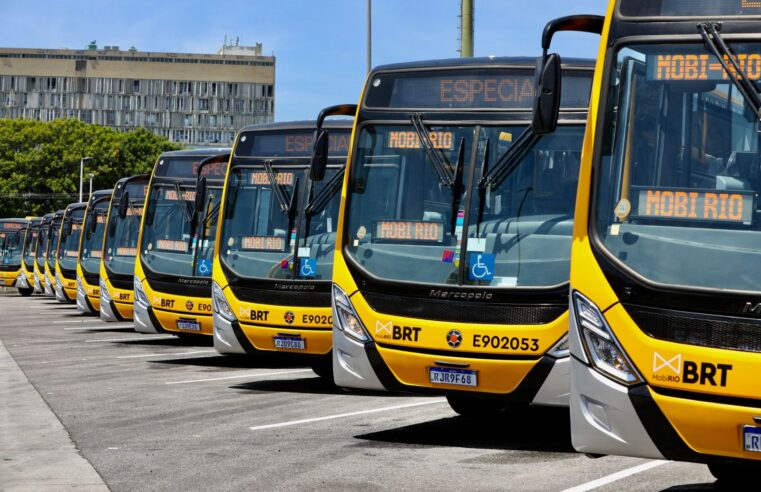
x=716, y=45
x=316, y=204
x=285, y=206
x=440, y=164
x=457, y=183
x=184, y=204
x=509, y=161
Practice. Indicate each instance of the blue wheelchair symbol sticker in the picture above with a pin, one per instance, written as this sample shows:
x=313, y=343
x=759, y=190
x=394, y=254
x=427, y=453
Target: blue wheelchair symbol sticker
x=204, y=268
x=308, y=268
x=481, y=266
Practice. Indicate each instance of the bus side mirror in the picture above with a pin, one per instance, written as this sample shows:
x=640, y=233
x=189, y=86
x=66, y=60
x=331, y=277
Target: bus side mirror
x=320, y=156
x=67, y=228
x=200, y=194
x=547, y=98
x=94, y=223
x=123, y=205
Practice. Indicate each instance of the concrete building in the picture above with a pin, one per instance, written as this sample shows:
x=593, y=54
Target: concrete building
x=197, y=99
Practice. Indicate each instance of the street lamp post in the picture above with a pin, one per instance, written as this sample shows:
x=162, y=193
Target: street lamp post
x=91, y=175
x=81, y=174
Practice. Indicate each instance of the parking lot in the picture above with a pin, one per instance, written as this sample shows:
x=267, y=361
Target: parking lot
x=154, y=412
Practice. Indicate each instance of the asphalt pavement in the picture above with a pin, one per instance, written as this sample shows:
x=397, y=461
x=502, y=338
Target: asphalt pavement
x=130, y=411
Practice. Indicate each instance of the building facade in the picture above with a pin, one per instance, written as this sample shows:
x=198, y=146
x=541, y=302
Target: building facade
x=195, y=99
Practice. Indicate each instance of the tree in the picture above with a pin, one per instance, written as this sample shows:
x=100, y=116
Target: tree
x=39, y=162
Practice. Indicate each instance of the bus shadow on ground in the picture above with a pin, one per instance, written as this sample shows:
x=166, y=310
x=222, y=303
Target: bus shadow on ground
x=308, y=385
x=234, y=362
x=166, y=342
x=545, y=430
x=698, y=487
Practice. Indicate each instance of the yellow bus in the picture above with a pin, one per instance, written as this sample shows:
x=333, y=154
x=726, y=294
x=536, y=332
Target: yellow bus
x=66, y=253
x=173, y=269
x=453, y=240
x=120, y=248
x=91, y=251
x=274, y=260
x=665, y=270
x=11, y=244
x=40, y=250
x=54, y=235
x=26, y=282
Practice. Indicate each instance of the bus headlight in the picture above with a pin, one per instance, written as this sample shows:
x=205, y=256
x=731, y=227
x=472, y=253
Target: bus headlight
x=104, y=293
x=601, y=346
x=220, y=304
x=560, y=349
x=140, y=293
x=347, y=319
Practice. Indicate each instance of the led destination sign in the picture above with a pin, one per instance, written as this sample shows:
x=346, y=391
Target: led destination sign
x=188, y=167
x=410, y=140
x=409, y=230
x=10, y=226
x=695, y=205
x=294, y=143
x=263, y=243
x=689, y=8
x=458, y=88
x=263, y=179
x=699, y=66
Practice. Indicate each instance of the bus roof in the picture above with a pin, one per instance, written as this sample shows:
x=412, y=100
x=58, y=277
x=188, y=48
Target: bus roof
x=490, y=61
x=202, y=151
x=96, y=195
x=297, y=125
x=76, y=206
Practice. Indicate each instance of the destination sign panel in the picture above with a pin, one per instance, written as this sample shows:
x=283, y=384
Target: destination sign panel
x=689, y=8
x=11, y=226
x=263, y=179
x=295, y=143
x=409, y=231
x=187, y=167
x=410, y=140
x=457, y=88
x=695, y=205
x=689, y=67
x=263, y=243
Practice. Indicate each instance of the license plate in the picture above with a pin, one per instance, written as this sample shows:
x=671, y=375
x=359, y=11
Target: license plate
x=457, y=377
x=752, y=438
x=190, y=325
x=292, y=343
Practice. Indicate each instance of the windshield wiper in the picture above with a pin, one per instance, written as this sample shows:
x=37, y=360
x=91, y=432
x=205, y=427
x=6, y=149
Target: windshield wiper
x=440, y=164
x=482, y=189
x=509, y=161
x=285, y=206
x=316, y=204
x=457, y=183
x=185, y=205
x=716, y=45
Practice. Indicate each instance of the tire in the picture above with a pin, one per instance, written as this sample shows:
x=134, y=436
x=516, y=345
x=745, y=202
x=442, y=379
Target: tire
x=26, y=292
x=475, y=407
x=733, y=474
x=323, y=367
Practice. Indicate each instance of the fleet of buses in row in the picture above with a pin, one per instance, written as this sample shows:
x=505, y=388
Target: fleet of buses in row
x=503, y=231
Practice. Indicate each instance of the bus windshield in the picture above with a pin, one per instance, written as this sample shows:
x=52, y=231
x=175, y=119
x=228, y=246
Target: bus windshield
x=42, y=244
x=69, y=244
x=405, y=223
x=259, y=236
x=30, y=243
x=12, y=241
x=122, y=233
x=175, y=241
x=679, y=176
x=92, y=242
x=55, y=234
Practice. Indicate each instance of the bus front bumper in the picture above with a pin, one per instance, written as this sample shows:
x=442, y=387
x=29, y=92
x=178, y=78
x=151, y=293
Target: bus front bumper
x=21, y=281
x=150, y=320
x=236, y=338
x=49, y=286
x=37, y=284
x=83, y=303
x=359, y=365
x=225, y=337
x=60, y=296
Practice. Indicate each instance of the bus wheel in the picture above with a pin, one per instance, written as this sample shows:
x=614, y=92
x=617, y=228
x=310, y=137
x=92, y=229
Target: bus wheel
x=469, y=406
x=323, y=367
x=733, y=474
x=26, y=292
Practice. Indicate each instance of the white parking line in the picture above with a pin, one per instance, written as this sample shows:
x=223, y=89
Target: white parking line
x=77, y=321
x=350, y=414
x=249, y=375
x=155, y=337
x=105, y=327
x=614, y=477
x=164, y=354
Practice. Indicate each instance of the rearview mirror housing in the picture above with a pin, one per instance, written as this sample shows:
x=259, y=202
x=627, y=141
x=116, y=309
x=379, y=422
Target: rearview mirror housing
x=123, y=205
x=200, y=194
x=320, y=156
x=547, y=98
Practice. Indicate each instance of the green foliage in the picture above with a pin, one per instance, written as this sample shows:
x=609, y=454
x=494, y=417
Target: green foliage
x=43, y=158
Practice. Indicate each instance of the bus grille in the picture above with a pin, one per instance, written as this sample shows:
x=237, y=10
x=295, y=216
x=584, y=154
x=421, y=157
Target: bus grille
x=703, y=330
x=465, y=312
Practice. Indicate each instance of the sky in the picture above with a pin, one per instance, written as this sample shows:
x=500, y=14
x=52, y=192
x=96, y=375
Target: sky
x=319, y=45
